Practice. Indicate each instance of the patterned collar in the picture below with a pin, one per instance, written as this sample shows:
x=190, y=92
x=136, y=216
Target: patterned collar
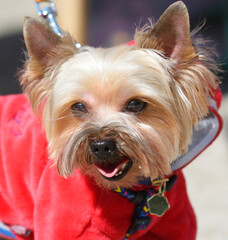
x=149, y=199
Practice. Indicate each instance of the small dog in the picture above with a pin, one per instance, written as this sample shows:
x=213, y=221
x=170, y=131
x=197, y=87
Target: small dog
x=115, y=121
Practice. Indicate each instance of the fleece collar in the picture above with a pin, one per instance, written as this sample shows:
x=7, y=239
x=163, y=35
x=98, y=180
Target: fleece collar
x=204, y=134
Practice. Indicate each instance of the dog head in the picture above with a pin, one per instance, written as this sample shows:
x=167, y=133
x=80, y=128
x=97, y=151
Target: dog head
x=120, y=113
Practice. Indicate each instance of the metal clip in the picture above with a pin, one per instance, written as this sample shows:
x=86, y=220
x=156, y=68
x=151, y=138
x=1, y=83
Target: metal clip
x=49, y=13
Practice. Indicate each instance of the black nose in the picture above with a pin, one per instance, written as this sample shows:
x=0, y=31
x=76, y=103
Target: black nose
x=103, y=149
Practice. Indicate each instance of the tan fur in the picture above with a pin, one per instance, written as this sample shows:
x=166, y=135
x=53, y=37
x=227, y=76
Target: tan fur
x=172, y=78
x=45, y=58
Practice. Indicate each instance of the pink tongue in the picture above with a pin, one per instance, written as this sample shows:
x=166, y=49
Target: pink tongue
x=111, y=174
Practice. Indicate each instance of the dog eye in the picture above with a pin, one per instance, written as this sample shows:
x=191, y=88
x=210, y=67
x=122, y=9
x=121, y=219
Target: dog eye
x=79, y=108
x=135, y=106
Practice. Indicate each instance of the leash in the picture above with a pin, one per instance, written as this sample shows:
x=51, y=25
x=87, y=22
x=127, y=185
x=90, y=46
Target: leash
x=49, y=13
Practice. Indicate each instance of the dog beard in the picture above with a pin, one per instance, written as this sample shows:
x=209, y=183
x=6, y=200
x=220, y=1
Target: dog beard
x=172, y=74
x=138, y=144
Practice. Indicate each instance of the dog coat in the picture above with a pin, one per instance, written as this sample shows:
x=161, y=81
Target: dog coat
x=37, y=203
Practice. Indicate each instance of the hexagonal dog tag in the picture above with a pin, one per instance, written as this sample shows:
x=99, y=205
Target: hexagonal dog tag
x=158, y=204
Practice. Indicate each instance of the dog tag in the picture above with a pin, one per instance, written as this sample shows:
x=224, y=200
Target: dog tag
x=158, y=204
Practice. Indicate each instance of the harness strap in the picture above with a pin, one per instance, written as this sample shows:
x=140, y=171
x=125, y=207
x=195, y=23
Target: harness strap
x=10, y=232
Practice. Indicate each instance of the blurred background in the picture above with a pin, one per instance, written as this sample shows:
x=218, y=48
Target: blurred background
x=106, y=22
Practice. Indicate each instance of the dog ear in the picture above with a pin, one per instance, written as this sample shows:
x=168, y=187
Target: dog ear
x=171, y=34
x=43, y=44
x=46, y=51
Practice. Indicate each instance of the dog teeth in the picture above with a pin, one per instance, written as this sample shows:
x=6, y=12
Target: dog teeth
x=121, y=170
x=123, y=166
x=118, y=173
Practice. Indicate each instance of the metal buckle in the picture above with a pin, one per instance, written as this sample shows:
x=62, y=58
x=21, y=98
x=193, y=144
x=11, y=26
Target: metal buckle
x=47, y=10
x=49, y=13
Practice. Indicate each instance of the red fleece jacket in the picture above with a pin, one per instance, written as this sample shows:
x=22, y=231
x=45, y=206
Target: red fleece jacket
x=33, y=195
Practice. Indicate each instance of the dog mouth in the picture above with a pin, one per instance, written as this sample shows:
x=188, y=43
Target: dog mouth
x=115, y=171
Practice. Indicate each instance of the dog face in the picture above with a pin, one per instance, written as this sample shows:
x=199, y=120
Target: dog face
x=121, y=113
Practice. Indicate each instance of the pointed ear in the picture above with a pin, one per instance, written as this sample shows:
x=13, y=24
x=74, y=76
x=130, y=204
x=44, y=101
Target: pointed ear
x=171, y=34
x=42, y=43
x=46, y=51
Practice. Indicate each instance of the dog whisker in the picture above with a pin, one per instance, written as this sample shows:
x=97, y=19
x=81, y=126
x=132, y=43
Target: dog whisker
x=115, y=116
x=85, y=170
x=59, y=118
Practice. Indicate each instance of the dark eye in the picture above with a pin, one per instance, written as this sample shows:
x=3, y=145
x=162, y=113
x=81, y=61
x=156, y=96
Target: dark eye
x=79, y=108
x=135, y=106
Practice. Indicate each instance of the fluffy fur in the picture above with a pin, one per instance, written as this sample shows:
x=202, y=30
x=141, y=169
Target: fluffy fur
x=111, y=117
x=165, y=70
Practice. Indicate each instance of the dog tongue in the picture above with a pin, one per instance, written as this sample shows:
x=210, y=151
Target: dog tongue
x=111, y=171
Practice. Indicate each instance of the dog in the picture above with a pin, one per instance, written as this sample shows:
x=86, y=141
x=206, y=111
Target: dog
x=95, y=147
